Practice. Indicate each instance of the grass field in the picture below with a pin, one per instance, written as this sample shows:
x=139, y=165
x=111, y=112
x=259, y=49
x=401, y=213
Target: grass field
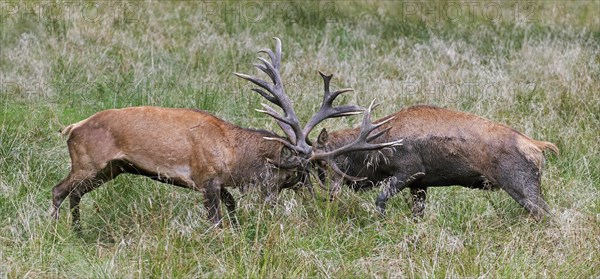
x=532, y=65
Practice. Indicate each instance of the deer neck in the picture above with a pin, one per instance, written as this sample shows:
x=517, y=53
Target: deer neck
x=253, y=151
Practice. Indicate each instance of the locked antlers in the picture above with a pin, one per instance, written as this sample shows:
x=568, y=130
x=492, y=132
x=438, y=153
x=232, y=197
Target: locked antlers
x=296, y=136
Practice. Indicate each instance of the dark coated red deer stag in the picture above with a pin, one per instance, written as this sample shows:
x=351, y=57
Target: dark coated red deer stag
x=442, y=148
x=197, y=150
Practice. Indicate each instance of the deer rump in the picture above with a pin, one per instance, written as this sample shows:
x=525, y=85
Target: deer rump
x=443, y=148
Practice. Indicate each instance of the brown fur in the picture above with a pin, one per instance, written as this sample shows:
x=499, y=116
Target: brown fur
x=443, y=147
x=183, y=147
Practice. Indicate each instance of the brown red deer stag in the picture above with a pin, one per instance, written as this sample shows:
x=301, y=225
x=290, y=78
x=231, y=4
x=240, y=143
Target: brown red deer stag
x=197, y=150
x=442, y=148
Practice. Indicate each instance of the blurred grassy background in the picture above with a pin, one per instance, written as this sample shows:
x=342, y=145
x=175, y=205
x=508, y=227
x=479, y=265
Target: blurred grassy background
x=532, y=65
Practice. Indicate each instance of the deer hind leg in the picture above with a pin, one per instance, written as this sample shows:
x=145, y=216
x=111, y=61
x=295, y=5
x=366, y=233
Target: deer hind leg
x=74, y=186
x=111, y=171
x=397, y=184
x=529, y=196
x=70, y=186
x=77, y=184
x=536, y=206
x=419, y=194
x=523, y=184
x=60, y=192
x=81, y=188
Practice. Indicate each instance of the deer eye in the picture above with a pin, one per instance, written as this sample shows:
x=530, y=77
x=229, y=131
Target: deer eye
x=286, y=153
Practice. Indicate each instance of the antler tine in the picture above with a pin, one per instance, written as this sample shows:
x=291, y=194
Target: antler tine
x=282, y=122
x=266, y=95
x=273, y=113
x=341, y=173
x=272, y=56
x=275, y=57
x=327, y=109
x=284, y=142
x=273, y=97
x=275, y=94
x=367, y=128
x=380, y=133
x=326, y=81
x=270, y=70
x=256, y=81
x=361, y=143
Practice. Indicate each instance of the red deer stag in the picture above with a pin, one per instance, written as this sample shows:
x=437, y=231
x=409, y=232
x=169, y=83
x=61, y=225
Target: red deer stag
x=196, y=150
x=441, y=148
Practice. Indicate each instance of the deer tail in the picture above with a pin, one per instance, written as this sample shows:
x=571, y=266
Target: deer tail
x=543, y=145
x=66, y=132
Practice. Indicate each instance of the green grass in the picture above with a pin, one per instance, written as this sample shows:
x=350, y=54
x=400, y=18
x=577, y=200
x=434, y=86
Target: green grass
x=535, y=68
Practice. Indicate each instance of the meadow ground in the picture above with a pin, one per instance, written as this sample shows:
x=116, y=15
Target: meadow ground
x=532, y=65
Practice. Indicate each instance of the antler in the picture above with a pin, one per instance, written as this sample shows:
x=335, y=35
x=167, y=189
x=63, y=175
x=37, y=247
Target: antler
x=326, y=110
x=361, y=143
x=275, y=94
x=297, y=137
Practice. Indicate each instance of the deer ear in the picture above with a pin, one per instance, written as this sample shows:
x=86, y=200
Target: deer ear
x=323, y=137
